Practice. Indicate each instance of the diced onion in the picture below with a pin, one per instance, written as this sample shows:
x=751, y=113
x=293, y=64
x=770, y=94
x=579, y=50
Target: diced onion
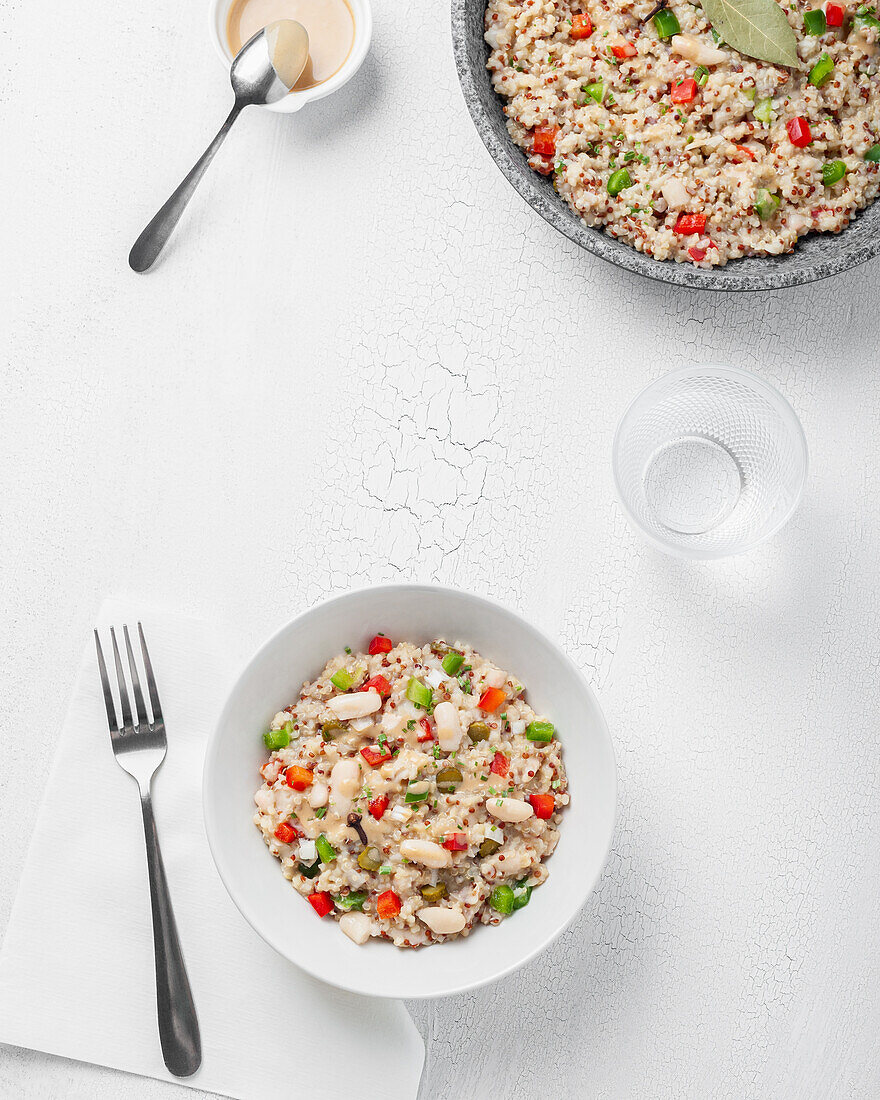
x=307, y=852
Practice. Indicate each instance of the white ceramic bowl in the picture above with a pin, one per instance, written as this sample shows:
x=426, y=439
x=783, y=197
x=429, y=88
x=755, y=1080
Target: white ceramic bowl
x=218, y=11
x=273, y=679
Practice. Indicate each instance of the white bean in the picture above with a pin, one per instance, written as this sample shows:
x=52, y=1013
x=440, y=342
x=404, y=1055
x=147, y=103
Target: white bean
x=426, y=852
x=509, y=809
x=673, y=190
x=355, y=705
x=265, y=800
x=685, y=45
x=392, y=722
x=448, y=726
x=443, y=921
x=495, y=678
x=356, y=926
x=345, y=781
x=318, y=795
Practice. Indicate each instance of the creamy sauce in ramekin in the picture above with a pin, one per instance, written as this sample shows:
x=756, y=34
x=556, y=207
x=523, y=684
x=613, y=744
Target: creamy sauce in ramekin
x=330, y=24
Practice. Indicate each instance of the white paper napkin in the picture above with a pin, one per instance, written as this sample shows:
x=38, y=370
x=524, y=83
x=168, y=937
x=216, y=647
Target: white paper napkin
x=76, y=968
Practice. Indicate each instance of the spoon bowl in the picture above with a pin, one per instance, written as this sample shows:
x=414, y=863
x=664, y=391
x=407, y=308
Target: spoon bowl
x=262, y=69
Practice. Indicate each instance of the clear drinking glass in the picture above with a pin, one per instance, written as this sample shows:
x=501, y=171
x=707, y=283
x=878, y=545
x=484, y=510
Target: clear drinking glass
x=709, y=461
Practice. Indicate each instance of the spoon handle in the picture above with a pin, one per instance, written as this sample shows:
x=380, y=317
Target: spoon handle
x=151, y=242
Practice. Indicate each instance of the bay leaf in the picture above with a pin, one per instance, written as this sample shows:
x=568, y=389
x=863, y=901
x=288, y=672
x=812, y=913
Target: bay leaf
x=757, y=28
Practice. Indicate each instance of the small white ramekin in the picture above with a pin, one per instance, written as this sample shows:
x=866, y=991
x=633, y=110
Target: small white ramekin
x=218, y=11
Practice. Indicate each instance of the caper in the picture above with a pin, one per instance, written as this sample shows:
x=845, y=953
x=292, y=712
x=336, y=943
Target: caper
x=488, y=848
x=330, y=728
x=370, y=859
x=433, y=894
x=478, y=731
x=448, y=779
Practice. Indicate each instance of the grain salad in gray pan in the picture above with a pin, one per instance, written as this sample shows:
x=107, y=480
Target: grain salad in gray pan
x=695, y=132
x=412, y=793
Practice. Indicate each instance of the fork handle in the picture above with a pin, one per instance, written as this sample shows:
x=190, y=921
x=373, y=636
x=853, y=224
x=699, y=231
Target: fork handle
x=178, y=1023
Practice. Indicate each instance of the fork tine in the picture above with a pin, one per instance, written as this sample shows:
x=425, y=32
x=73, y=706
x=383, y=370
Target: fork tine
x=105, y=684
x=127, y=724
x=143, y=720
x=151, y=679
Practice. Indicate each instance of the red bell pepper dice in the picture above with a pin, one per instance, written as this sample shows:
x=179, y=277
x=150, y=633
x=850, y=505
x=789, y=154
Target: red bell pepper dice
x=491, y=699
x=500, y=764
x=425, y=727
x=625, y=49
x=299, y=778
x=387, y=905
x=380, y=644
x=544, y=140
x=456, y=842
x=799, y=132
x=581, y=26
x=689, y=223
x=374, y=757
x=378, y=683
x=378, y=806
x=321, y=902
x=697, y=254
x=543, y=805
x=684, y=92
x=285, y=833
x=834, y=14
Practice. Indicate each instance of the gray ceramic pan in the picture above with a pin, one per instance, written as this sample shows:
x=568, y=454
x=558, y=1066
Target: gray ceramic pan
x=816, y=257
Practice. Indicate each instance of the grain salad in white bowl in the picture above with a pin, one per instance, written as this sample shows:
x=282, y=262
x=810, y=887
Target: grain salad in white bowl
x=412, y=792
x=448, y=768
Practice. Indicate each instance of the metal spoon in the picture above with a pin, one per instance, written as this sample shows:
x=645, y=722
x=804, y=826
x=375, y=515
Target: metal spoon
x=264, y=70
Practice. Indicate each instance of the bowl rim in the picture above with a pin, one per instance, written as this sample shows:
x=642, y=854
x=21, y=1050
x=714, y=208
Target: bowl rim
x=595, y=241
x=776, y=398
x=210, y=762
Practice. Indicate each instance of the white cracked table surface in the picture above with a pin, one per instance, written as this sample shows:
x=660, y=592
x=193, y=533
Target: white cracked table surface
x=364, y=359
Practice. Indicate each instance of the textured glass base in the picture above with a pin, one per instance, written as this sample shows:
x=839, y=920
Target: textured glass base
x=692, y=484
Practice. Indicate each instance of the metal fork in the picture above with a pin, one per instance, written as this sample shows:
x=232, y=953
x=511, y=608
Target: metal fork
x=139, y=747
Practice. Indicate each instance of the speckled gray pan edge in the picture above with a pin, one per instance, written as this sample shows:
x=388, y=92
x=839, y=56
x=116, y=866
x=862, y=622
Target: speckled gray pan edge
x=816, y=257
